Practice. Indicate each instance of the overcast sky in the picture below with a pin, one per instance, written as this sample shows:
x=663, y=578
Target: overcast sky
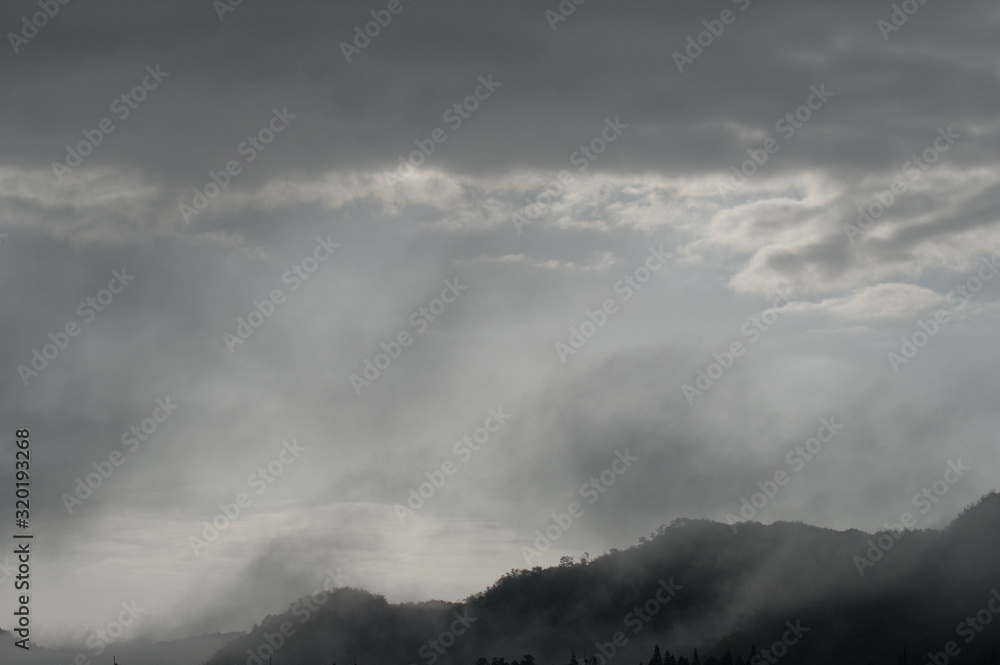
x=682, y=188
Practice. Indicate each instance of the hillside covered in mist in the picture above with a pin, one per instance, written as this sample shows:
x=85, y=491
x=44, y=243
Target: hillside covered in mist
x=785, y=592
x=803, y=594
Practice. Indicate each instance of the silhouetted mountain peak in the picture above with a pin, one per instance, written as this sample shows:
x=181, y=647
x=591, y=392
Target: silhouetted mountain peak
x=984, y=514
x=691, y=584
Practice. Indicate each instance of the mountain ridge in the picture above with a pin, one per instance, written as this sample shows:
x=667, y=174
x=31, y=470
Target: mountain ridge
x=692, y=584
x=738, y=587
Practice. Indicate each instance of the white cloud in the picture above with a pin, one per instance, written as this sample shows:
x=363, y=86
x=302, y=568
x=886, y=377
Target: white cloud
x=891, y=301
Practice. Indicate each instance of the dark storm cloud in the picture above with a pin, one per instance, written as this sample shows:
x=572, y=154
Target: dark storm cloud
x=605, y=60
